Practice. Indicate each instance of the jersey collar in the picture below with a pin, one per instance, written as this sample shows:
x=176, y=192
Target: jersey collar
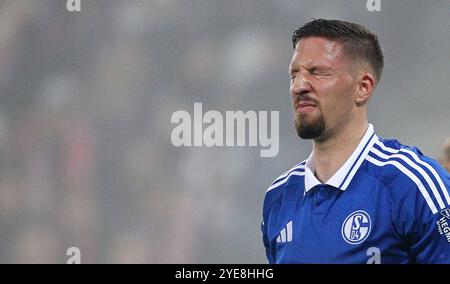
x=341, y=179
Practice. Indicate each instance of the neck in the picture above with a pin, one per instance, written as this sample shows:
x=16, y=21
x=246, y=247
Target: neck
x=331, y=153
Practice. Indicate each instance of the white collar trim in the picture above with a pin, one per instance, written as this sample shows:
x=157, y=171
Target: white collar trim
x=342, y=178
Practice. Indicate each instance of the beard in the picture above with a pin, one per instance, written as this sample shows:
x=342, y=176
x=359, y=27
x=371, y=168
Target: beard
x=309, y=128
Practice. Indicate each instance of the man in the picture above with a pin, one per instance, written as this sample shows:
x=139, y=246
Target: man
x=445, y=160
x=357, y=198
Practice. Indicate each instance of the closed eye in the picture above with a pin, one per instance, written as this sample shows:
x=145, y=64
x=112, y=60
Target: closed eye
x=293, y=75
x=319, y=71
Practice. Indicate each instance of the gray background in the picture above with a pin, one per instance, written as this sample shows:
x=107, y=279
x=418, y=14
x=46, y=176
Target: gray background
x=86, y=100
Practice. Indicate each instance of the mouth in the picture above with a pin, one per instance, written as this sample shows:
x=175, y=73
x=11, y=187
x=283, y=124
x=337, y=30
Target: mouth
x=305, y=106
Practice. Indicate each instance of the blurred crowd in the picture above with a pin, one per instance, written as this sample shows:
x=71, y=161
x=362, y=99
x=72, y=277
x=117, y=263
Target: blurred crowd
x=86, y=158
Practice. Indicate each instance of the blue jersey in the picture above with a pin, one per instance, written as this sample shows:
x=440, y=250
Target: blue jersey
x=388, y=203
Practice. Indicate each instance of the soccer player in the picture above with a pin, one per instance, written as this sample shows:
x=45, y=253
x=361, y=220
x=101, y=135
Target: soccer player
x=445, y=160
x=358, y=198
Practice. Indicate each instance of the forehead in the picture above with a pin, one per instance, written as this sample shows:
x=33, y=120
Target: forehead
x=316, y=50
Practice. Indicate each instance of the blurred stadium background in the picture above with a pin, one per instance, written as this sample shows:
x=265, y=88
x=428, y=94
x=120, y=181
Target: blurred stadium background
x=86, y=100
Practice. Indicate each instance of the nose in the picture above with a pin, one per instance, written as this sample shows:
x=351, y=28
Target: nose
x=300, y=86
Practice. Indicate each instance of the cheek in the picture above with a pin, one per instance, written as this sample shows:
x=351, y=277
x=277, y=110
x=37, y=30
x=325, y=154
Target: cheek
x=325, y=87
x=336, y=99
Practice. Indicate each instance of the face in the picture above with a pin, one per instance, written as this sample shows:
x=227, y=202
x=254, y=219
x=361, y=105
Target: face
x=446, y=164
x=322, y=89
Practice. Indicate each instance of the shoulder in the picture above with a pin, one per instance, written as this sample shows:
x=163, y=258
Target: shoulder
x=275, y=189
x=297, y=170
x=393, y=159
x=410, y=174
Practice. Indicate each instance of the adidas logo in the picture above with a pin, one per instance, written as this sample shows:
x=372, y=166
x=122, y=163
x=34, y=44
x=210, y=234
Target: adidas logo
x=285, y=234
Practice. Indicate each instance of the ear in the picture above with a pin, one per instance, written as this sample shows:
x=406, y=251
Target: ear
x=366, y=85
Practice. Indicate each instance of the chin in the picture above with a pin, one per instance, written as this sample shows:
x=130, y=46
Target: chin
x=310, y=129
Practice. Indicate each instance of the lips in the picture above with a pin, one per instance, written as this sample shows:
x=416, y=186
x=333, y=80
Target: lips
x=305, y=106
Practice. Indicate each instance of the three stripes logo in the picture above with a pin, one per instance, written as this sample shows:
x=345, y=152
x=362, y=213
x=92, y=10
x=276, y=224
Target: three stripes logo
x=285, y=234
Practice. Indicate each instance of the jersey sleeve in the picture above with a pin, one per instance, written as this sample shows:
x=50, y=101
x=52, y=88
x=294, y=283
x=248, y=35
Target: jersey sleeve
x=269, y=255
x=430, y=232
x=432, y=244
x=268, y=217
